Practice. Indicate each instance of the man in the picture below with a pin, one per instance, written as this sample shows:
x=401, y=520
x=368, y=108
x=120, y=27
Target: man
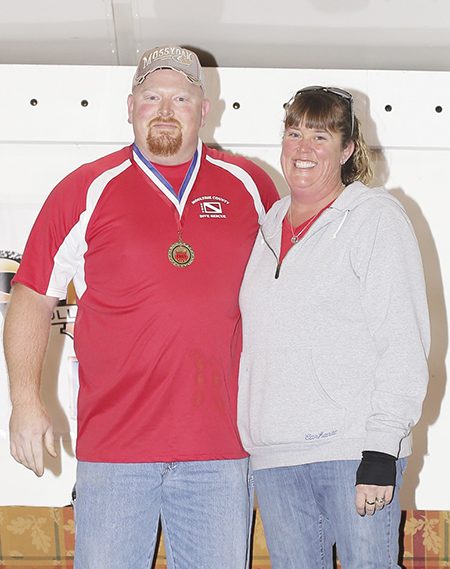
x=155, y=238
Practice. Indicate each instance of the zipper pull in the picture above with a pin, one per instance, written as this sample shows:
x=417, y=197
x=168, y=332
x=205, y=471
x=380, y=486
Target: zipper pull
x=277, y=272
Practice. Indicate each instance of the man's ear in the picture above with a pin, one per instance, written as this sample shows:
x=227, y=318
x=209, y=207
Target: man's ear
x=206, y=105
x=130, y=108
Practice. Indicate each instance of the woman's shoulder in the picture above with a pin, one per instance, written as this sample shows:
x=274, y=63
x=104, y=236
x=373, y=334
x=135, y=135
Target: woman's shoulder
x=280, y=205
x=358, y=194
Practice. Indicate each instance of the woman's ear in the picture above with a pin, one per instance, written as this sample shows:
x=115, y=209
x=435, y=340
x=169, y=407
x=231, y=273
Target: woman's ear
x=347, y=152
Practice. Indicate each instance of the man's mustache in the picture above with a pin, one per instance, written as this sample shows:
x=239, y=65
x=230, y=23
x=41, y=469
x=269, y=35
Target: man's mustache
x=164, y=120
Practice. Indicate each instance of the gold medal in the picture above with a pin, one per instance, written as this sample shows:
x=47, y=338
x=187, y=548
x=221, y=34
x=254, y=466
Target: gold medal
x=181, y=254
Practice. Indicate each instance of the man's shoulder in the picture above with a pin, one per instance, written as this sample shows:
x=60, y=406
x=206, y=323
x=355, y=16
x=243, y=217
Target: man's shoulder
x=254, y=178
x=78, y=182
x=220, y=157
x=107, y=162
x=223, y=156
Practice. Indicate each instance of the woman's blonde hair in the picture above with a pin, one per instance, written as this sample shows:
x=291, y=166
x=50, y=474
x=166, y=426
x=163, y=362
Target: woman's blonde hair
x=322, y=109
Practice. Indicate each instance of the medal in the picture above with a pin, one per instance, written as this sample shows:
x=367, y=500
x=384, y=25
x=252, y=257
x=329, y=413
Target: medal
x=181, y=254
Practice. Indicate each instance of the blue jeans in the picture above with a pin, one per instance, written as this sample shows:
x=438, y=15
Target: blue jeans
x=306, y=509
x=205, y=510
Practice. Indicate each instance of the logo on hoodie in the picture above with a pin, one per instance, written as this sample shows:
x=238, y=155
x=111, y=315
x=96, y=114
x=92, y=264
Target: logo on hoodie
x=321, y=435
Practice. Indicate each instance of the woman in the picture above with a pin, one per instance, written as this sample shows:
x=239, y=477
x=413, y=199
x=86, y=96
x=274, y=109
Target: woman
x=336, y=336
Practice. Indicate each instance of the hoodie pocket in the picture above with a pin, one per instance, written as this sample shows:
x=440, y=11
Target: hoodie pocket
x=282, y=401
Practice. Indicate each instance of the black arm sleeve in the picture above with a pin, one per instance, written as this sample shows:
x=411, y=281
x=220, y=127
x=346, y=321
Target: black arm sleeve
x=376, y=468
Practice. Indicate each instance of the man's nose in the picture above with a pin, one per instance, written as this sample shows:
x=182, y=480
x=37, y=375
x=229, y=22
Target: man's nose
x=165, y=108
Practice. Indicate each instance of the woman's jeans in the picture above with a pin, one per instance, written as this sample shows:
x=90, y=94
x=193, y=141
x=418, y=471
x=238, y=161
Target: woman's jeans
x=306, y=509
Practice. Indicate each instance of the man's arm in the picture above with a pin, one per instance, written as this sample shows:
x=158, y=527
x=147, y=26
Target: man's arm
x=26, y=334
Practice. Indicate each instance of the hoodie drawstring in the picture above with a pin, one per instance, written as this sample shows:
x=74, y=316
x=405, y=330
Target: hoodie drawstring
x=347, y=211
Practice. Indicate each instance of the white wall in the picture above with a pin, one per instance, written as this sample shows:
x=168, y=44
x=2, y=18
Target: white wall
x=40, y=143
x=350, y=34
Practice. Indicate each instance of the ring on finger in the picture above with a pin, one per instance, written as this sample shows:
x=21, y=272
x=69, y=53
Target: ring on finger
x=370, y=503
x=379, y=500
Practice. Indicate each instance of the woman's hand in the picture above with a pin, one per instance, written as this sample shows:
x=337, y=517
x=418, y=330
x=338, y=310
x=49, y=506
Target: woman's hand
x=370, y=498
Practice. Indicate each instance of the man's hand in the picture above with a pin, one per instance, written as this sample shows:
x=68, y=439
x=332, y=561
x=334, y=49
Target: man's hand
x=30, y=431
x=370, y=498
x=25, y=337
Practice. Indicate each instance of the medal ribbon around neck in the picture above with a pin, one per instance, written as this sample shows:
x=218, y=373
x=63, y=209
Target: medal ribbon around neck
x=180, y=253
x=163, y=184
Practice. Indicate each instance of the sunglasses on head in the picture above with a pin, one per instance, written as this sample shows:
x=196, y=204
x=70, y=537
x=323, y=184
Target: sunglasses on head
x=335, y=91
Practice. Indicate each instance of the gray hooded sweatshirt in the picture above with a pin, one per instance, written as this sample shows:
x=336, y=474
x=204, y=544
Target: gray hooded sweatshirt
x=335, y=348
